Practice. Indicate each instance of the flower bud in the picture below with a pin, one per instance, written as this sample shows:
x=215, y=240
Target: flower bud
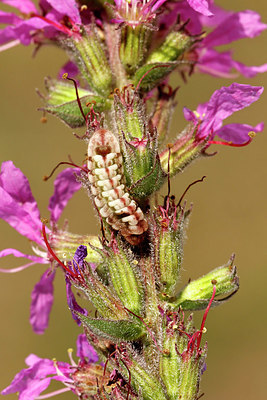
x=88, y=53
x=163, y=60
x=133, y=46
x=142, y=168
x=169, y=246
x=196, y=295
x=123, y=274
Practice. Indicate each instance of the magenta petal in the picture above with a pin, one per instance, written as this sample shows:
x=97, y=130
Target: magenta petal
x=69, y=68
x=17, y=253
x=42, y=301
x=65, y=186
x=9, y=18
x=67, y=7
x=238, y=133
x=249, y=71
x=189, y=115
x=73, y=305
x=244, y=24
x=15, y=183
x=217, y=64
x=224, y=102
x=25, y=6
x=201, y=6
x=85, y=350
x=23, y=221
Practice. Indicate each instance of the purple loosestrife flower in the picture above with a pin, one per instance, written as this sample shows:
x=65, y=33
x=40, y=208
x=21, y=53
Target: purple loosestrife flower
x=33, y=26
x=209, y=117
x=81, y=377
x=19, y=208
x=137, y=12
x=226, y=27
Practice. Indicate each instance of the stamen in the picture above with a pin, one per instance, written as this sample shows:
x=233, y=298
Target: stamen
x=65, y=76
x=62, y=28
x=52, y=394
x=45, y=178
x=73, y=363
x=230, y=143
x=188, y=187
x=205, y=317
x=54, y=255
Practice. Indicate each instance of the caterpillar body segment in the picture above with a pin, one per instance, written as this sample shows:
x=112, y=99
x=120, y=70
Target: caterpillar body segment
x=105, y=174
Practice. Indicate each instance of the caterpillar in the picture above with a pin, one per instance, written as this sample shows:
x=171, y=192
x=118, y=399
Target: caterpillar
x=105, y=174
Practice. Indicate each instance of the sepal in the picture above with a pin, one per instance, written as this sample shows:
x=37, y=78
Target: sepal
x=163, y=60
x=186, y=148
x=88, y=53
x=123, y=275
x=196, y=295
x=133, y=46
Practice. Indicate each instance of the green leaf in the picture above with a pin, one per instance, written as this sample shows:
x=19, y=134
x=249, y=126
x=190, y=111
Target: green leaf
x=70, y=112
x=115, y=330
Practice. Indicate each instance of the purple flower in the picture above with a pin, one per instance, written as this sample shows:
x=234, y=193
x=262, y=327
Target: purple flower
x=225, y=27
x=208, y=118
x=136, y=12
x=32, y=26
x=19, y=208
x=32, y=381
x=201, y=6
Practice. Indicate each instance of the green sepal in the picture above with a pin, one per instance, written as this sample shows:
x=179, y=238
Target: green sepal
x=149, y=183
x=196, y=295
x=150, y=75
x=89, y=53
x=163, y=60
x=104, y=300
x=143, y=380
x=170, y=365
x=114, y=330
x=133, y=46
x=124, y=277
x=175, y=44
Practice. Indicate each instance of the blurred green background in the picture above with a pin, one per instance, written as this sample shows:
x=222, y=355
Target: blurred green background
x=229, y=216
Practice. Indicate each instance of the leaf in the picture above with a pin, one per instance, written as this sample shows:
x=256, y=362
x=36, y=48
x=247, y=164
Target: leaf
x=115, y=330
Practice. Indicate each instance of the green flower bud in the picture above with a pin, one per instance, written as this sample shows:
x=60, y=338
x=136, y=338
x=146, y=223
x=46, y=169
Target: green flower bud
x=124, y=276
x=163, y=60
x=133, y=46
x=144, y=380
x=196, y=295
x=89, y=54
x=169, y=246
x=142, y=167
